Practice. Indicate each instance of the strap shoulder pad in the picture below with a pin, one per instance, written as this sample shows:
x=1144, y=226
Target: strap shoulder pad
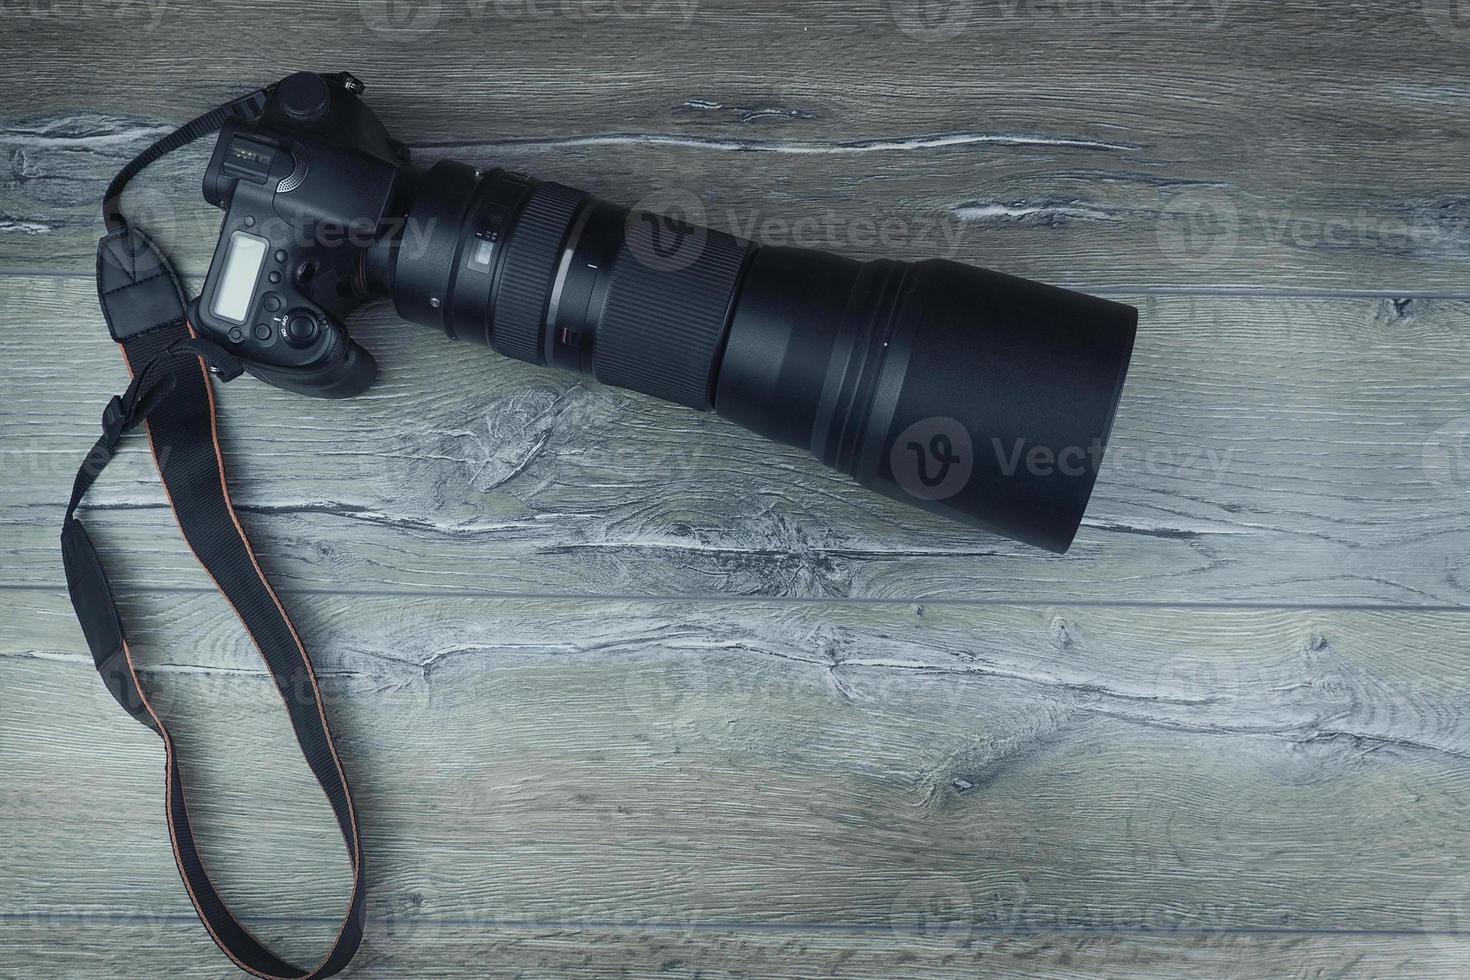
x=136, y=285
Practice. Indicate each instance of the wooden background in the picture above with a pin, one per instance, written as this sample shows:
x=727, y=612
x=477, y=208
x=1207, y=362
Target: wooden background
x=625, y=691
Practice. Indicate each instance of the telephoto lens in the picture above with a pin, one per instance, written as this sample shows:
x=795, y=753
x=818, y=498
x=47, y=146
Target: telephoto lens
x=975, y=395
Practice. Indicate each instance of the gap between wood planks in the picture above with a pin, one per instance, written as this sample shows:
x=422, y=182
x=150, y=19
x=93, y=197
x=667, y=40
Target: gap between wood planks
x=876, y=928
x=370, y=592
x=1204, y=292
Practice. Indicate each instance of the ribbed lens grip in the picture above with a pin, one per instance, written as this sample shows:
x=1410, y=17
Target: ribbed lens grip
x=668, y=300
x=531, y=258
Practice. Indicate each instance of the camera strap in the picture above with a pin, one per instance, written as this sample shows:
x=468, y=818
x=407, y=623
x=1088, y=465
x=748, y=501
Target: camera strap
x=171, y=395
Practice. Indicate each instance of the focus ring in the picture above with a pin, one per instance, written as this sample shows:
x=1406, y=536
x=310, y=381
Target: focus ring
x=531, y=257
x=668, y=303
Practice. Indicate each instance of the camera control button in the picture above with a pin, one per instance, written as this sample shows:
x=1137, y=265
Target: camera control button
x=304, y=96
x=274, y=277
x=272, y=303
x=237, y=335
x=261, y=332
x=300, y=328
x=280, y=255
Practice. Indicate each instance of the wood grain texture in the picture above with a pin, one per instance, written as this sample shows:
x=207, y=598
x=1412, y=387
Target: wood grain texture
x=595, y=761
x=625, y=691
x=63, y=949
x=1125, y=145
x=1236, y=473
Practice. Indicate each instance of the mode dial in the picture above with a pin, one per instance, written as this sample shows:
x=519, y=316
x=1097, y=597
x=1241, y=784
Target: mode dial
x=304, y=96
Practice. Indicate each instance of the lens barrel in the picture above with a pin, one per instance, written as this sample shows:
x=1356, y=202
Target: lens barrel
x=547, y=274
x=972, y=394
x=975, y=395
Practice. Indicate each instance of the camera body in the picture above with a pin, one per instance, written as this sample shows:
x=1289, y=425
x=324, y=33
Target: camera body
x=971, y=394
x=309, y=188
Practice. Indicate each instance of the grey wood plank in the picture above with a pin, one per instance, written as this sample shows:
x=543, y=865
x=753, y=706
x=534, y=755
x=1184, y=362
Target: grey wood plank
x=1070, y=786
x=534, y=762
x=1267, y=450
x=63, y=949
x=1197, y=145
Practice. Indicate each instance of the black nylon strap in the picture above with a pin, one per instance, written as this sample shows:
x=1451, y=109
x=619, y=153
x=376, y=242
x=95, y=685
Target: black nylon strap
x=247, y=106
x=170, y=393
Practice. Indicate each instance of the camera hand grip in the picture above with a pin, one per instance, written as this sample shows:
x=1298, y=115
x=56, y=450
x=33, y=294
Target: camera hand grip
x=343, y=368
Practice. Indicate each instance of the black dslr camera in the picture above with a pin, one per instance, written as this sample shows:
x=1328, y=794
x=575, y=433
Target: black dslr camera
x=970, y=393
x=308, y=189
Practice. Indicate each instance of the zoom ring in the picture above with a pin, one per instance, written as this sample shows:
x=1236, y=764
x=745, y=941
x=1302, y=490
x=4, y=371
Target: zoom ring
x=531, y=259
x=668, y=303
